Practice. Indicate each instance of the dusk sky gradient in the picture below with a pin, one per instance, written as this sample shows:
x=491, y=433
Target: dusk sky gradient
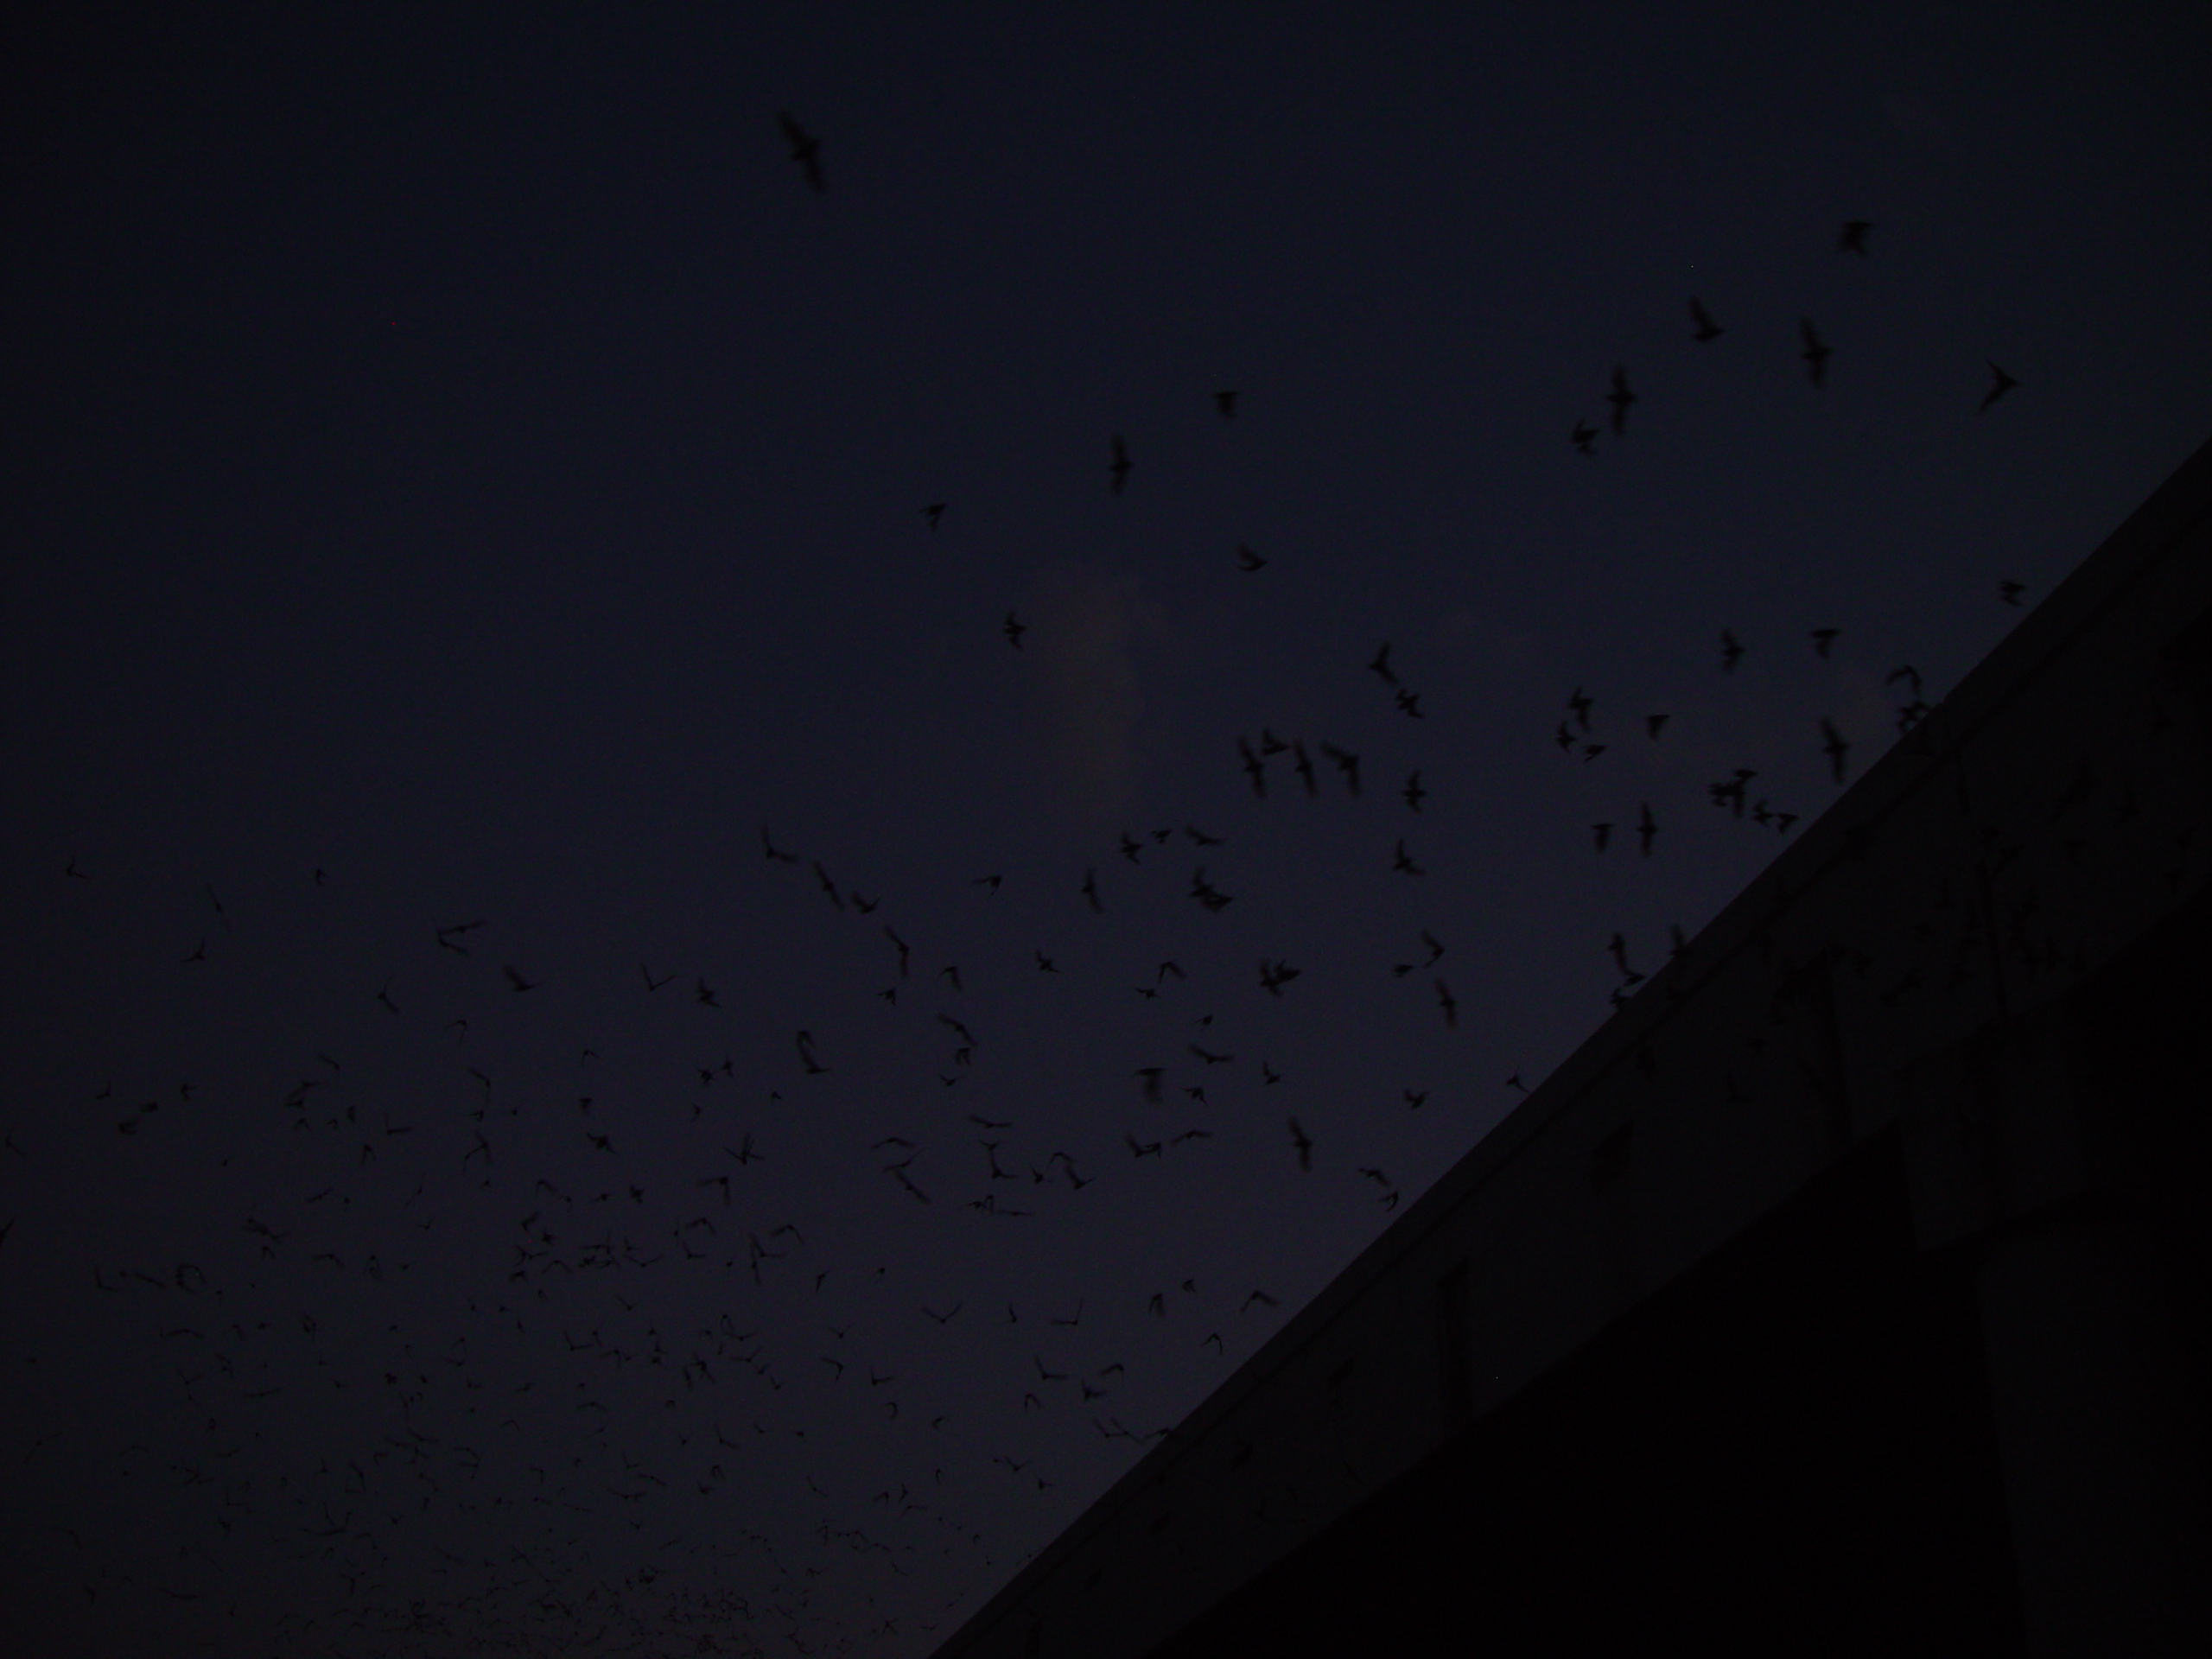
x=459, y=471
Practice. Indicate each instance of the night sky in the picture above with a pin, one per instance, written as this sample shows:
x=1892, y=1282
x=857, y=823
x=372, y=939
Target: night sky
x=466, y=504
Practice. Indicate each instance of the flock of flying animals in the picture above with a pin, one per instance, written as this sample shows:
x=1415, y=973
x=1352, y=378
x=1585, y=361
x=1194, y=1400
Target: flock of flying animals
x=360, y=1549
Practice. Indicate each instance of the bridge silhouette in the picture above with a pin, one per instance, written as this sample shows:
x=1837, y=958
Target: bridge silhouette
x=1850, y=1291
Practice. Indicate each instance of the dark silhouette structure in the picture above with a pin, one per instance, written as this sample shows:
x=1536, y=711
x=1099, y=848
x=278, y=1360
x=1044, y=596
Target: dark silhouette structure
x=1848, y=1292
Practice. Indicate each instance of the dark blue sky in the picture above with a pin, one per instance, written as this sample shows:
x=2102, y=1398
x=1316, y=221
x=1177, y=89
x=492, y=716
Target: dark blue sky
x=458, y=469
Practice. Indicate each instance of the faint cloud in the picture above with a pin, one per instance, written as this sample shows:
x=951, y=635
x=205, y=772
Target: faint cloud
x=1915, y=115
x=1497, y=652
x=1088, y=629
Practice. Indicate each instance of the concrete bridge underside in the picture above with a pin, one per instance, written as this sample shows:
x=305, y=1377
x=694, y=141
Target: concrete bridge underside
x=1803, y=1445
